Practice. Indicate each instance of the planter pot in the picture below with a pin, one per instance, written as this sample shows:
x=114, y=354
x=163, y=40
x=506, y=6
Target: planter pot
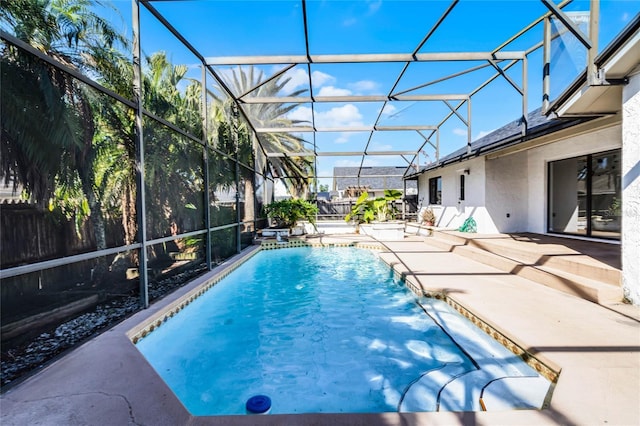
x=297, y=230
x=272, y=232
x=384, y=231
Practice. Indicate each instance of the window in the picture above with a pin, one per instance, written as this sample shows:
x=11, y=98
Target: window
x=435, y=190
x=461, y=187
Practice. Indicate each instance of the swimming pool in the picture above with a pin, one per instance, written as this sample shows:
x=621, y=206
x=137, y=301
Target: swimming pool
x=331, y=330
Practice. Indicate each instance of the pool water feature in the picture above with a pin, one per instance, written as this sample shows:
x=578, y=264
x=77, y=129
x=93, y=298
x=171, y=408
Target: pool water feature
x=331, y=330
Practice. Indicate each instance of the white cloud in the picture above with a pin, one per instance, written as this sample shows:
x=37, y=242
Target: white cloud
x=344, y=116
x=482, y=133
x=347, y=115
x=302, y=113
x=299, y=79
x=388, y=109
x=372, y=7
x=320, y=79
x=333, y=91
x=343, y=138
x=364, y=86
x=459, y=131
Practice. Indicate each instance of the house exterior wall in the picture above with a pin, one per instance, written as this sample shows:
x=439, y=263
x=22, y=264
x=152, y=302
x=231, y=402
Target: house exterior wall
x=514, y=184
x=538, y=158
x=506, y=193
x=453, y=211
x=631, y=189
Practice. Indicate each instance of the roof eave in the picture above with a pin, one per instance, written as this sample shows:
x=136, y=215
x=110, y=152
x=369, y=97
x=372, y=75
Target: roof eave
x=507, y=142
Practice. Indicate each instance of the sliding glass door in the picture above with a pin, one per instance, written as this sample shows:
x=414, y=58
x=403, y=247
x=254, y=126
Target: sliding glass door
x=585, y=195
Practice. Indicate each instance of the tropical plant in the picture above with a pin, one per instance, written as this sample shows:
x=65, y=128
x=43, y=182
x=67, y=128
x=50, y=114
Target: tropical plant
x=174, y=174
x=56, y=148
x=386, y=206
x=287, y=213
x=362, y=211
x=382, y=209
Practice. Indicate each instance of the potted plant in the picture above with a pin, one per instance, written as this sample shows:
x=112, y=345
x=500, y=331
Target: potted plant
x=428, y=216
x=287, y=213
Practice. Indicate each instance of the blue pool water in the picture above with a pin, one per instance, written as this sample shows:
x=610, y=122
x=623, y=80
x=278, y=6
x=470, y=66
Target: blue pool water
x=325, y=330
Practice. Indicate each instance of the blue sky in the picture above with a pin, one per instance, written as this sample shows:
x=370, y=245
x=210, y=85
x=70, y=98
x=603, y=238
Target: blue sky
x=236, y=28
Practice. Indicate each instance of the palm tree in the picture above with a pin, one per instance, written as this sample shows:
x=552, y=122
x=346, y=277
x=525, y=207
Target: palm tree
x=174, y=163
x=115, y=165
x=295, y=170
x=59, y=143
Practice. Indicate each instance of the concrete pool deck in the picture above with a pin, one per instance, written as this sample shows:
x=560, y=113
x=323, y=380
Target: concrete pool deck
x=597, y=348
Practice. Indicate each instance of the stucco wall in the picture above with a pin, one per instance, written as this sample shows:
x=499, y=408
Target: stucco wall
x=631, y=189
x=453, y=211
x=514, y=184
x=506, y=192
x=588, y=143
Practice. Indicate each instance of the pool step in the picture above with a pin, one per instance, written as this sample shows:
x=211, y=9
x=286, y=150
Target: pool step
x=553, y=256
x=557, y=267
x=423, y=394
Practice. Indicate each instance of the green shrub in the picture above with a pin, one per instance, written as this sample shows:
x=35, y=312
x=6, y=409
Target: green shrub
x=287, y=213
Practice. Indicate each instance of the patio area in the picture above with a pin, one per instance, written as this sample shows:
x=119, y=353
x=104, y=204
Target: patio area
x=595, y=348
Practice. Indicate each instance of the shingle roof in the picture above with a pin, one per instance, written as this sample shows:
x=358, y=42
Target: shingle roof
x=508, y=135
x=387, y=177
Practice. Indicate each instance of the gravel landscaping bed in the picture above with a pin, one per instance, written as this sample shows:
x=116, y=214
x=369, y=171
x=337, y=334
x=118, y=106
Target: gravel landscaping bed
x=23, y=359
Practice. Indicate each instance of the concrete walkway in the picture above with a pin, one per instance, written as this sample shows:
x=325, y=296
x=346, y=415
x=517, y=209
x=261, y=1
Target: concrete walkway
x=107, y=382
